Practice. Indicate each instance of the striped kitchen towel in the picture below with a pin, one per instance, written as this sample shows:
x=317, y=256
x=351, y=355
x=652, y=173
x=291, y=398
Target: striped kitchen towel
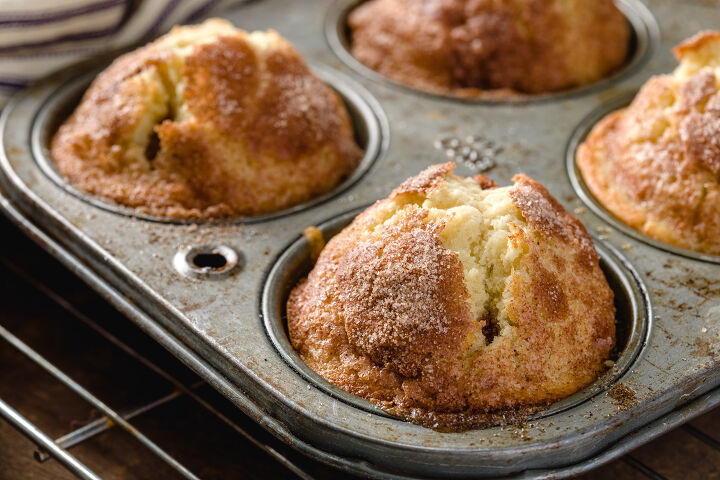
x=40, y=36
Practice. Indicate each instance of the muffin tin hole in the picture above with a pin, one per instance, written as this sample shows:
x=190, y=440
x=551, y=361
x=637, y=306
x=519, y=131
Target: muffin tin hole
x=369, y=122
x=206, y=261
x=583, y=192
x=211, y=261
x=644, y=34
x=633, y=318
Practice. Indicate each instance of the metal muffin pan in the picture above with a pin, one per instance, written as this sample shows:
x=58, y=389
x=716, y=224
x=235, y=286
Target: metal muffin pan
x=216, y=323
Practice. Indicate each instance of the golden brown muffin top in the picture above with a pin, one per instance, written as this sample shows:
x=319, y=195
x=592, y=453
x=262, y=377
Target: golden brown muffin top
x=208, y=121
x=470, y=47
x=656, y=164
x=453, y=298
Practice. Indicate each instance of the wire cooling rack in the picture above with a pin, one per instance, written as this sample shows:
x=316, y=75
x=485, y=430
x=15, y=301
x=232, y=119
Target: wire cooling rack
x=59, y=448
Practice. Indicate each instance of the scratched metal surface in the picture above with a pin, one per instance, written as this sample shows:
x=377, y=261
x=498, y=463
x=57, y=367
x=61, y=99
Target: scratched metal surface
x=220, y=320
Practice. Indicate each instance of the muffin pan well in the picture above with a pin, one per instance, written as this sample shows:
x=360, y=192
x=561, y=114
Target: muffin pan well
x=633, y=317
x=644, y=36
x=217, y=323
x=369, y=122
x=576, y=139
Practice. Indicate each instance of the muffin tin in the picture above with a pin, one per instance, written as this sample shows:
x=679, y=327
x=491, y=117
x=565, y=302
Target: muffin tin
x=214, y=293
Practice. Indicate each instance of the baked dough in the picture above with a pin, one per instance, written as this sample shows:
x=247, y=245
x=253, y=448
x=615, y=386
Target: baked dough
x=454, y=297
x=208, y=121
x=656, y=164
x=472, y=47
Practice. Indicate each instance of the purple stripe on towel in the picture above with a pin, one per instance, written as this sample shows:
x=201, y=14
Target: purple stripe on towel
x=34, y=18
x=13, y=84
x=34, y=55
x=73, y=37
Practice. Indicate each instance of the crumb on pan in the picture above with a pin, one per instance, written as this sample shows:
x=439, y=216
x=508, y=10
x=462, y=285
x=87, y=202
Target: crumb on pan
x=623, y=396
x=316, y=240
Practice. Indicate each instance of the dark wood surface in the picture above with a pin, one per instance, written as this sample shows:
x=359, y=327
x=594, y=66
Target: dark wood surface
x=34, y=288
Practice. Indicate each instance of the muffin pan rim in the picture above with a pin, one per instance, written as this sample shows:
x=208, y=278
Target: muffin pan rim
x=634, y=289
x=578, y=135
x=643, y=25
x=355, y=96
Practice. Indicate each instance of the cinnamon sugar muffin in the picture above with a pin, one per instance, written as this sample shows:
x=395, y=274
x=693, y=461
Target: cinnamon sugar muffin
x=467, y=47
x=656, y=164
x=454, y=297
x=208, y=121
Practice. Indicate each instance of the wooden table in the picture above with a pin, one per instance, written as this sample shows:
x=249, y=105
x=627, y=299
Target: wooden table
x=43, y=304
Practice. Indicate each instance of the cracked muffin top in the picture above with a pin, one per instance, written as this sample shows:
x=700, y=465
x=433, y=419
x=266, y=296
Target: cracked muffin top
x=208, y=121
x=453, y=298
x=490, y=47
x=656, y=164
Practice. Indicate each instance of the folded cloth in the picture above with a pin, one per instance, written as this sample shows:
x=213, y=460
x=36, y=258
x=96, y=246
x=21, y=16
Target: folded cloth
x=41, y=36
